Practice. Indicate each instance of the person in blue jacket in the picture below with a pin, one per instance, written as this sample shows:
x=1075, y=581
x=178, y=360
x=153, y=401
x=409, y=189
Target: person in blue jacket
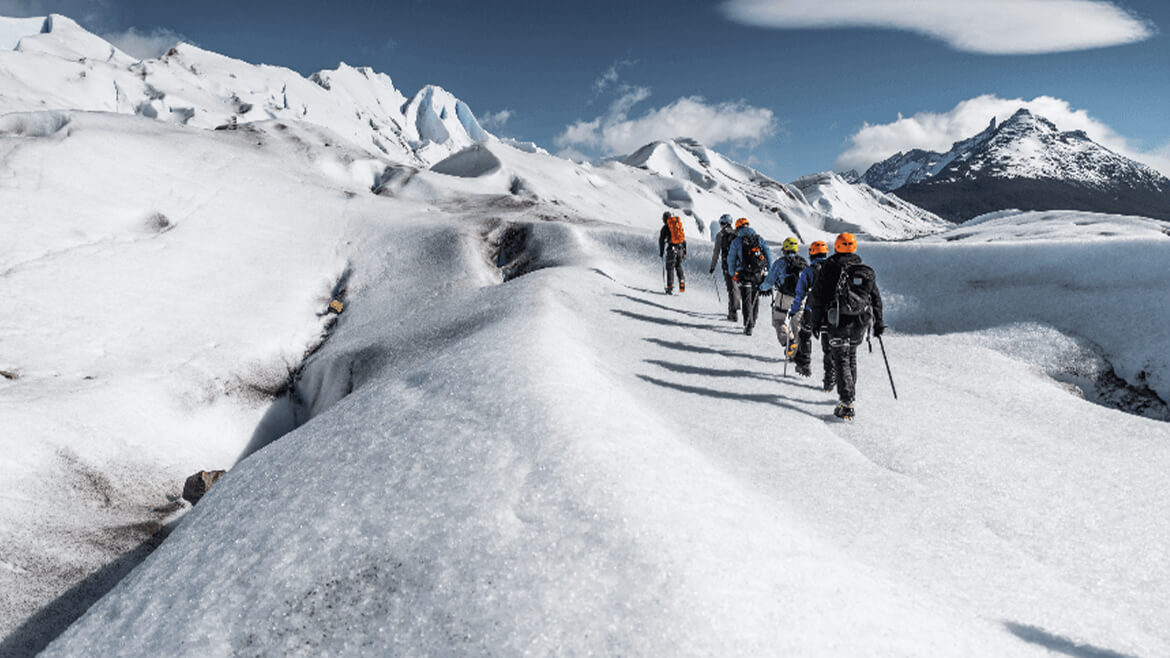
x=748, y=258
x=782, y=276
x=817, y=253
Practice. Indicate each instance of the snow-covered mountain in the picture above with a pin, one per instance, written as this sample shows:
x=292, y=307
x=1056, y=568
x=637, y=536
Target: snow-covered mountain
x=1026, y=163
x=53, y=63
x=859, y=208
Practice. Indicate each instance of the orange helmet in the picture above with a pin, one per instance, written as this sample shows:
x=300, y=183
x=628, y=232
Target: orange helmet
x=741, y=222
x=818, y=248
x=845, y=244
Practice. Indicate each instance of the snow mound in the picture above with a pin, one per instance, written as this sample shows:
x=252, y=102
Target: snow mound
x=62, y=37
x=12, y=30
x=33, y=124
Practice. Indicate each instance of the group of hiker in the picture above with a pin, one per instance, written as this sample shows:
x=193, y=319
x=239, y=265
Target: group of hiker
x=832, y=298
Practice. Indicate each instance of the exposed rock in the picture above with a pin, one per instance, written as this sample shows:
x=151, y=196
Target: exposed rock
x=198, y=484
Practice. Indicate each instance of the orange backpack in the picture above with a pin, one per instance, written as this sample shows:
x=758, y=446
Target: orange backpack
x=676, y=230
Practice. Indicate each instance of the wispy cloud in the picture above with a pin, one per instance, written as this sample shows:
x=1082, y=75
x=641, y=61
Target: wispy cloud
x=611, y=76
x=998, y=27
x=496, y=120
x=144, y=45
x=618, y=130
x=937, y=131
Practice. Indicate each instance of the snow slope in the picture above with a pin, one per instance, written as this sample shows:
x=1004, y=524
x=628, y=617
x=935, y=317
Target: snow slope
x=558, y=464
x=859, y=208
x=59, y=65
x=165, y=282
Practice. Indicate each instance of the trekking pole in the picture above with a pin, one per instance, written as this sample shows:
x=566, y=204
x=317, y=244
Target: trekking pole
x=716, y=284
x=891, y=375
x=664, y=271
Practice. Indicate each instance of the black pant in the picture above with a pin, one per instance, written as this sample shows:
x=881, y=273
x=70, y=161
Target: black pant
x=804, y=352
x=732, y=294
x=843, y=342
x=674, y=264
x=749, y=294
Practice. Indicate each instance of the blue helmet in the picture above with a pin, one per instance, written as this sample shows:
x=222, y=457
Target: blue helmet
x=725, y=220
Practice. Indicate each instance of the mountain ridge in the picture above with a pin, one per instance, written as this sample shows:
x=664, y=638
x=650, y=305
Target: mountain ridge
x=1025, y=163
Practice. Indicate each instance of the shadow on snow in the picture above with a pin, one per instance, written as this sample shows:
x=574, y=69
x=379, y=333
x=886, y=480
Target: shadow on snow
x=1060, y=644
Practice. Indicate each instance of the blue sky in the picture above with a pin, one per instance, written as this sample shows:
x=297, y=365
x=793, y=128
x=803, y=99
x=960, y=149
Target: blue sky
x=790, y=99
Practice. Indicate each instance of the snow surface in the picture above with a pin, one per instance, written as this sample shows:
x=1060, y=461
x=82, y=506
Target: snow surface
x=559, y=464
x=566, y=462
x=881, y=215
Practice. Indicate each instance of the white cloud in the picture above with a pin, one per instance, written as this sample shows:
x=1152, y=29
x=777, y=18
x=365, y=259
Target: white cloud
x=496, y=120
x=998, y=27
x=711, y=124
x=938, y=131
x=144, y=45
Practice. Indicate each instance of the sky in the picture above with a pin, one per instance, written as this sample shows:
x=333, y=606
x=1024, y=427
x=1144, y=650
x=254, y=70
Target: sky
x=789, y=86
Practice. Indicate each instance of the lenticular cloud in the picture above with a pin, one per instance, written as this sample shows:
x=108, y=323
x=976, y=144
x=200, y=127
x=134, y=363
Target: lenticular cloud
x=995, y=27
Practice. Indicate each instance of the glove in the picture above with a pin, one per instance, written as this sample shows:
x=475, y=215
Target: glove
x=878, y=330
x=735, y=277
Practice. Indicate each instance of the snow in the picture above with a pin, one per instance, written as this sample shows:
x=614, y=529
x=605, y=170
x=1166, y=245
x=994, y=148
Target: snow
x=12, y=30
x=499, y=505
x=566, y=462
x=200, y=88
x=861, y=209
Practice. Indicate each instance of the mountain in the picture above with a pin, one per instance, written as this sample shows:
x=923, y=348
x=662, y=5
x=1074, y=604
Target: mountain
x=54, y=63
x=917, y=165
x=694, y=178
x=1026, y=163
x=859, y=208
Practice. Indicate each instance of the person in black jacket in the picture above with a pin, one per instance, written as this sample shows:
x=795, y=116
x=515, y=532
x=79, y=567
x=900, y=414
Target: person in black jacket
x=832, y=303
x=722, y=242
x=674, y=248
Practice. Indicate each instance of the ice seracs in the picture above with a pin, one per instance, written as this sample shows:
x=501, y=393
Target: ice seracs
x=54, y=63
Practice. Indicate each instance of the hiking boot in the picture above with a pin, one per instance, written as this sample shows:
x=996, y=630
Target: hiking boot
x=844, y=411
x=670, y=291
x=733, y=317
x=803, y=370
x=682, y=287
x=747, y=331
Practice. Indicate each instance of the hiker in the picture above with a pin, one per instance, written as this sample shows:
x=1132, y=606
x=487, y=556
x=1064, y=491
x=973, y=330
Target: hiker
x=722, y=244
x=783, y=276
x=845, y=303
x=672, y=243
x=798, y=317
x=747, y=260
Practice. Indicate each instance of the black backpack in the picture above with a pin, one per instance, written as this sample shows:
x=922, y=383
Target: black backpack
x=751, y=258
x=851, y=298
x=795, y=265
